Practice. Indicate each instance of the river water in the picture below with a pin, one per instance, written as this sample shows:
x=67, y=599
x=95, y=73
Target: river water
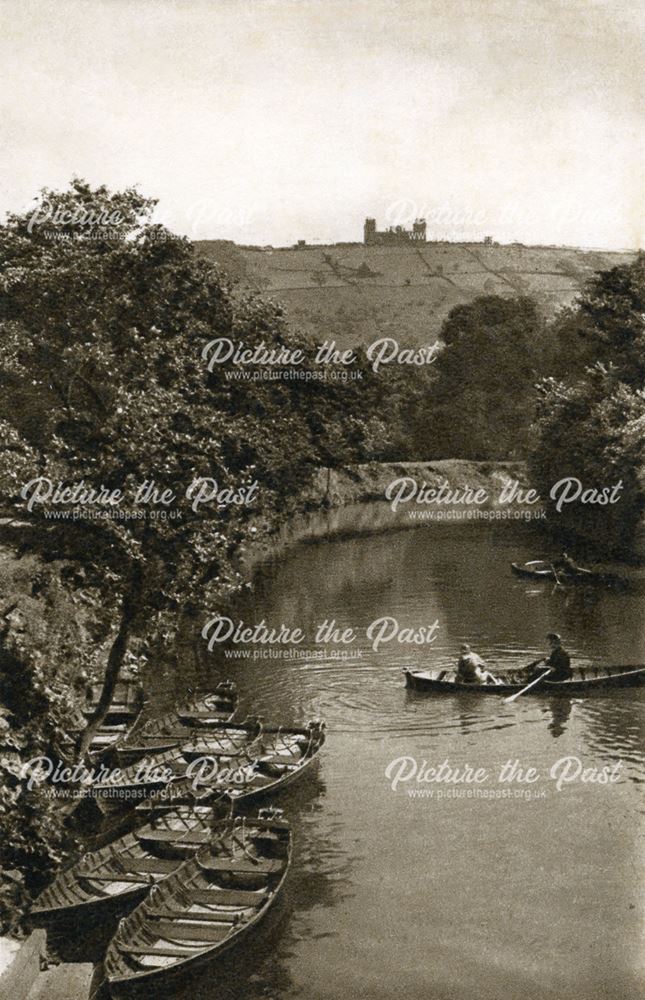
x=529, y=894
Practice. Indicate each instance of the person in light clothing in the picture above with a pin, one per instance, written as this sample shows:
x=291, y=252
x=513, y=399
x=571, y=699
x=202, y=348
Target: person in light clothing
x=471, y=669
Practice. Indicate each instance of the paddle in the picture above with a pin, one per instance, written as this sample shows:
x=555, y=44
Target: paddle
x=528, y=686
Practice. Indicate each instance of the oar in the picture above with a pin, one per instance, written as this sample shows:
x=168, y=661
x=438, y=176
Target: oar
x=528, y=686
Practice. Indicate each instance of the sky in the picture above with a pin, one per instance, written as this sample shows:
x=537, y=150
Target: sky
x=269, y=121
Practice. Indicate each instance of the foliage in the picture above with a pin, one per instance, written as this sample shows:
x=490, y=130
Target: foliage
x=35, y=838
x=591, y=424
x=494, y=351
x=592, y=429
x=612, y=311
x=109, y=333
x=103, y=381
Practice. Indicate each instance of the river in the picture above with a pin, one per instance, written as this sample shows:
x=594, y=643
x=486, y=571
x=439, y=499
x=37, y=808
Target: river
x=441, y=896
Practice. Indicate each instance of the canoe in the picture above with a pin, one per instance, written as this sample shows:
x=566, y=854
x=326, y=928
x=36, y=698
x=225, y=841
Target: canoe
x=259, y=760
x=106, y=881
x=174, y=728
x=545, y=571
x=121, y=719
x=203, y=909
x=583, y=679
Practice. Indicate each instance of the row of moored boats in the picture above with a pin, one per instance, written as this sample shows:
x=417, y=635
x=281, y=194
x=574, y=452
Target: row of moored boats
x=199, y=874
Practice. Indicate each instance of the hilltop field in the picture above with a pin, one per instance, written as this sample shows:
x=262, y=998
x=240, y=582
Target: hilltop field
x=354, y=293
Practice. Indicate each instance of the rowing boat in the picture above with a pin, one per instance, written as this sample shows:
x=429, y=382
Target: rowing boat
x=106, y=881
x=204, y=908
x=120, y=720
x=257, y=761
x=281, y=760
x=174, y=728
x=583, y=679
x=538, y=570
x=224, y=741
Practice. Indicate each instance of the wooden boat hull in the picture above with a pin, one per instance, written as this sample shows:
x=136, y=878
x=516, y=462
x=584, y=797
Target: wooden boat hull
x=121, y=719
x=585, y=679
x=104, y=883
x=269, y=776
x=244, y=774
x=208, y=906
x=158, y=735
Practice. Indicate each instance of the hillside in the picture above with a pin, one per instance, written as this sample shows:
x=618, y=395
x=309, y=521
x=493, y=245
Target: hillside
x=354, y=294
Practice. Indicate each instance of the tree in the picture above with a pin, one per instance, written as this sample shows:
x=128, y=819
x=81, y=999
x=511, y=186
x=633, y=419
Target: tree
x=104, y=329
x=612, y=318
x=590, y=422
x=591, y=429
x=494, y=351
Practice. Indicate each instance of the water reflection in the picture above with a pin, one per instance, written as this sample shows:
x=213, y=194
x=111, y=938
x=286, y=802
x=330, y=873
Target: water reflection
x=386, y=887
x=560, y=710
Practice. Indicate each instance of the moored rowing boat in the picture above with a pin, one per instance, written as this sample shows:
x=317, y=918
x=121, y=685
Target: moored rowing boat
x=120, y=720
x=281, y=760
x=157, y=735
x=106, y=881
x=204, y=908
x=261, y=760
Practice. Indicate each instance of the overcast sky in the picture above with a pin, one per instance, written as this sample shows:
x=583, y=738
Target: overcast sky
x=265, y=121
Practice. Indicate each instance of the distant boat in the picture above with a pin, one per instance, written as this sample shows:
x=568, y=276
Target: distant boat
x=538, y=569
x=205, y=907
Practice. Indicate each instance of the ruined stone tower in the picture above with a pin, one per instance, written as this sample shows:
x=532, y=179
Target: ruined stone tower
x=395, y=235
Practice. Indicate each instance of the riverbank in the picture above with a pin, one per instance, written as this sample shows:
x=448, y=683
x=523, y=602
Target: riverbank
x=56, y=633
x=352, y=501
x=50, y=617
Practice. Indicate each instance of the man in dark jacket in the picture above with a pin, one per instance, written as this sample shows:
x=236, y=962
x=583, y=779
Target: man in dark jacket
x=558, y=662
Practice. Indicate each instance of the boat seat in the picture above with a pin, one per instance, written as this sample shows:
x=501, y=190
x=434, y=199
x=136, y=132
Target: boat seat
x=289, y=760
x=167, y=737
x=135, y=865
x=225, y=897
x=242, y=865
x=175, y=931
x=113, y=878
x=161, y=952
x=144, y=739
x=232, y=750
x=171, y=836
x=204, y=916
x=204, y=716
